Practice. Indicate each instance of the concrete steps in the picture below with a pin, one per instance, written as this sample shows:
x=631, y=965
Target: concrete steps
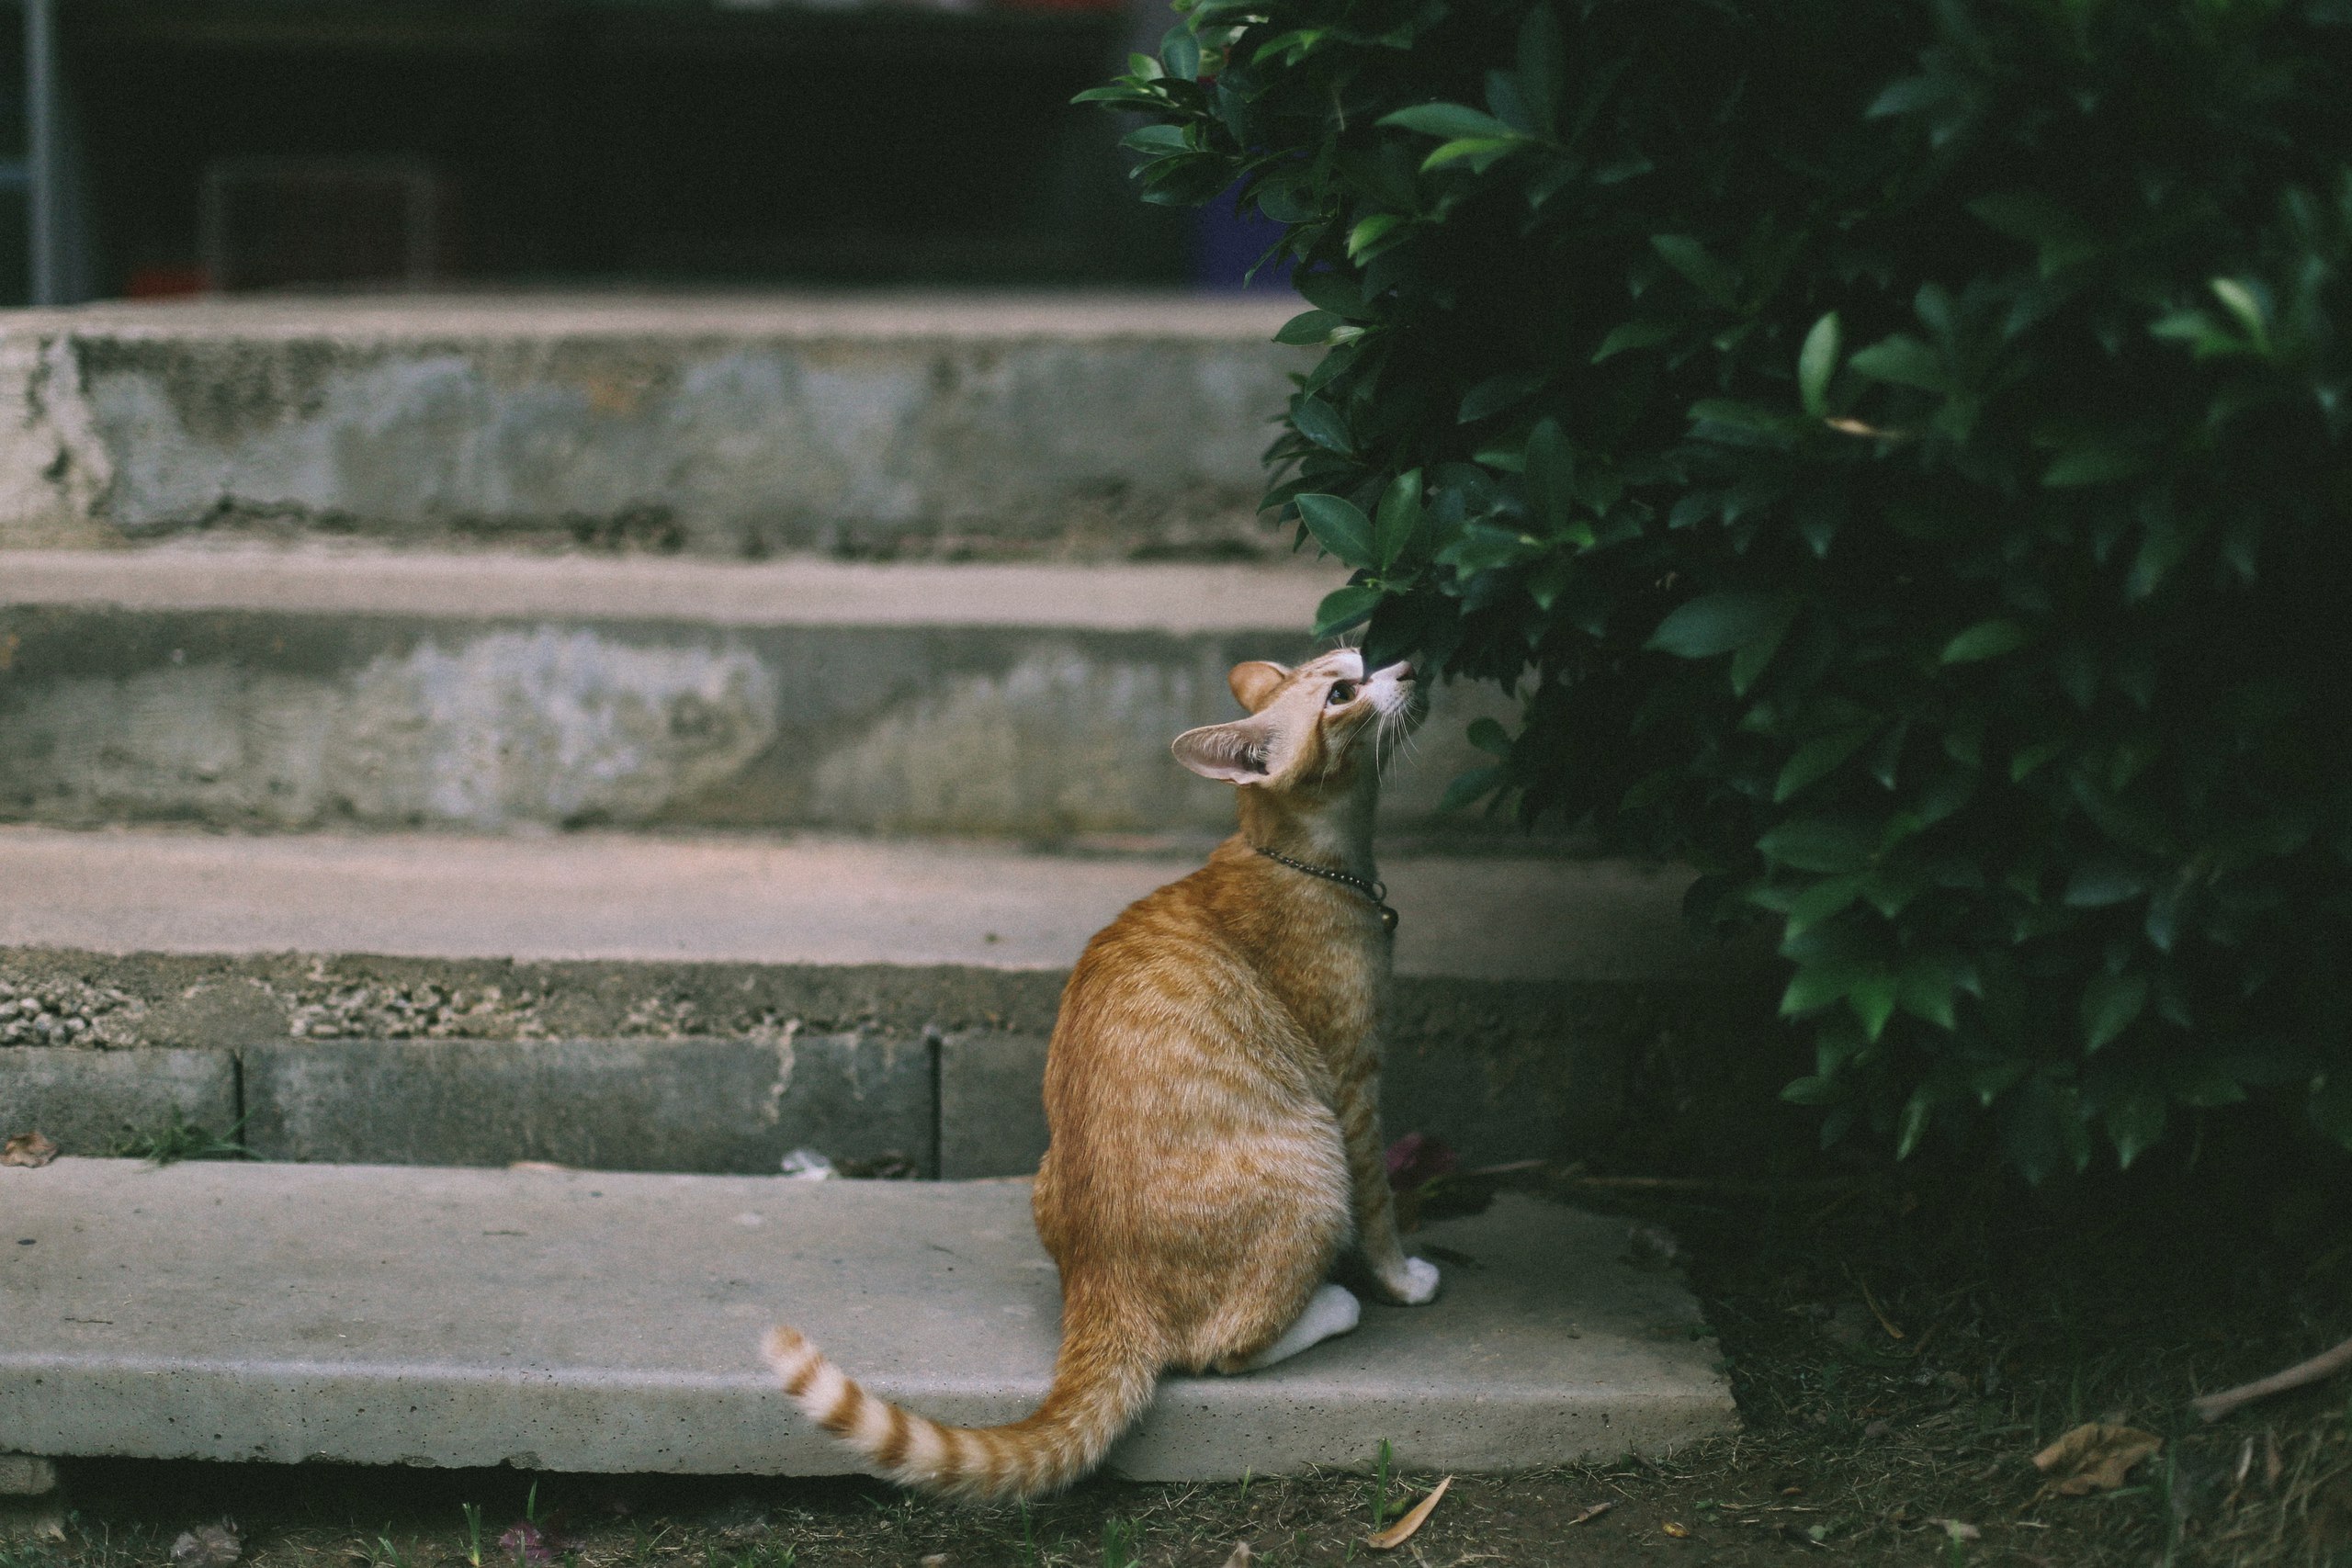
x=608, y=1323
x=727, y=426
x=627, y=1001
x=303, y=688
x=442, y=733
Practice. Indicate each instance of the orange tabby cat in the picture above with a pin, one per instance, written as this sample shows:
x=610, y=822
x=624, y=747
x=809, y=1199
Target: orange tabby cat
x=1211, y=1091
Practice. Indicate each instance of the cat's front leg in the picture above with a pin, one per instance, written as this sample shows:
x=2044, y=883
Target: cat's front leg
x=1407, y=1281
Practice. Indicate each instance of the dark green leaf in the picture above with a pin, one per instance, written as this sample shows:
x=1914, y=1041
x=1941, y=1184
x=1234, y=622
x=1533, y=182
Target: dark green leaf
x=2094, y=464
x=1180, y=50
x=1478, y=151
x=1322, y=424
x=1373, y=234
x=2111, y=1004
x=1448, y=121
x=1873, y=998
x=1345, y=607
x=1985, y=639
x=1340, y=527
x=1314, y=327
x=1827, y=845
x=2135, y=1123
x=2096, y=883
x=1930, y=981
x=1634, y=334
x=1718, y=622
x=1817, y=757
x=1903, y=361
x=1813, y=1091
x=1398, y=519
x=1919, y=1112
x=1816, y=363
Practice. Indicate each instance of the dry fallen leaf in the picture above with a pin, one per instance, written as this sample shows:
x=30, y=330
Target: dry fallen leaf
x=28, y=1149
x=1592, y=1513
x=207, y=1546
x=1679, y=1532
x=2094, y=1457
x=936, y=1559
x=1400, y=1532
x=1242, y=1556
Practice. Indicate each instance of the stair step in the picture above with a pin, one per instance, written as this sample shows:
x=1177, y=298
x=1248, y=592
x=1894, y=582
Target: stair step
x=800, y=901
x=305, y=688
x=650, y=1003
x=1103, y=424
x=579, y=1322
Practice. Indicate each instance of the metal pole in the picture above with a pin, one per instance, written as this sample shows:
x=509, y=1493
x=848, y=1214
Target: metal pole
x=42, y=154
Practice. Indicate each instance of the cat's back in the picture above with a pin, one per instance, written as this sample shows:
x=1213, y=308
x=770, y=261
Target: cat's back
x=1177, y=946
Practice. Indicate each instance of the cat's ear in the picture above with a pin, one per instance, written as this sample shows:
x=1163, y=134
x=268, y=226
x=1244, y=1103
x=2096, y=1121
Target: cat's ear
x=1235, y=752
x=1255, y=681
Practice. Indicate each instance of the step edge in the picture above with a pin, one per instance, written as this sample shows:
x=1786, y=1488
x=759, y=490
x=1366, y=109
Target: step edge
x=801, y=591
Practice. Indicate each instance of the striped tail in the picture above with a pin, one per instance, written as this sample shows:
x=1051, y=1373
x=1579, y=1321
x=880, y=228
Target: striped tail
x=1102, y=1380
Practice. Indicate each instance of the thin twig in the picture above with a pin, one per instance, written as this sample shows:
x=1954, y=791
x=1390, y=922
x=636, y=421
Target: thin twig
x=2213, y=1406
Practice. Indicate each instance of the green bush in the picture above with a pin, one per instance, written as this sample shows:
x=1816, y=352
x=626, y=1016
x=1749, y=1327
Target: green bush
x=1901, y=447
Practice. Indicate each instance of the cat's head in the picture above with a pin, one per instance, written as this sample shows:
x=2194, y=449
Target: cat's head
x=1322, y=725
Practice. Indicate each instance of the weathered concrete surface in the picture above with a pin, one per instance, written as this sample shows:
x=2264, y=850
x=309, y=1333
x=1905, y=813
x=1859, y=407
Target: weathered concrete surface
x=346, y=579
x=591, y=896
x=991, y=1103
x=1490, y=1102
x=607, y=1323
x=88, y=1100
x=670, y=1066
x=304, y=688
x=27, y=1475
x=722, y=426
x=689, y=1105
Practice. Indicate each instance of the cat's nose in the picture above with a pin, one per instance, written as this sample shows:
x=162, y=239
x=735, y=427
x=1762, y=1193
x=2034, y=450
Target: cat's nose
x=1403, y=671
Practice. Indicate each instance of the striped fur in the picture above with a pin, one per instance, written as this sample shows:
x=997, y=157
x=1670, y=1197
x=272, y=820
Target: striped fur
x=1101, y=1386
x=1211, y=1091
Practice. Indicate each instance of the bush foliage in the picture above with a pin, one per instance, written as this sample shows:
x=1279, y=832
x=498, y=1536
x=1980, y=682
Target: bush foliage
x=1902, y=449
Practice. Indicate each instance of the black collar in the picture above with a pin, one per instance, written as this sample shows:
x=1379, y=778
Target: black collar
x=1376, y=891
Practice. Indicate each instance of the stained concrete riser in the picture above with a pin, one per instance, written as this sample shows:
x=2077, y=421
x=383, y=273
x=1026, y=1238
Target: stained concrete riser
x=722, y=429
x=253, y=718
x=1500, y=1073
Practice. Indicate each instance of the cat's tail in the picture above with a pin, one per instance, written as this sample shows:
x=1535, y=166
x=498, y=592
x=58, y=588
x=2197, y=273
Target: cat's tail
x=1102, y=1378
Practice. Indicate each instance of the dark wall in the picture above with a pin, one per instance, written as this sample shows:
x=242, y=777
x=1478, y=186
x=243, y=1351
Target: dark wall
x=647, y=143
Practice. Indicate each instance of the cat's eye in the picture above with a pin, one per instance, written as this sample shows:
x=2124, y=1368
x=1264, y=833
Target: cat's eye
x=1342, y=692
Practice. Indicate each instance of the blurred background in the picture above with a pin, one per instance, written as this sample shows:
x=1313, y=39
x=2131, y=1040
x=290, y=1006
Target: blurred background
x=191, y=146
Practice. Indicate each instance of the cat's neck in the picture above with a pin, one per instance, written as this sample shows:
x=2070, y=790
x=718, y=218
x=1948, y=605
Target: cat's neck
x=1327, y=828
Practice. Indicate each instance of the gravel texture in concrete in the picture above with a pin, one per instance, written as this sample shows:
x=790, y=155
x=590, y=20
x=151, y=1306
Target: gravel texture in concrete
x=607, y=1323
x=721, y=426
x=1500, y=1069
x=601, y=896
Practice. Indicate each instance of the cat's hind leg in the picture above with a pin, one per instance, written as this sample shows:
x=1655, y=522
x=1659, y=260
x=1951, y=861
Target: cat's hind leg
x=1331, y=1311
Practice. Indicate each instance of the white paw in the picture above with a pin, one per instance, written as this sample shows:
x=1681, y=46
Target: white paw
x=1415, y=1283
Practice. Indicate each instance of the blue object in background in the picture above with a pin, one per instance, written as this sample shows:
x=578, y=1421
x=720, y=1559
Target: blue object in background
x=1227, y=245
